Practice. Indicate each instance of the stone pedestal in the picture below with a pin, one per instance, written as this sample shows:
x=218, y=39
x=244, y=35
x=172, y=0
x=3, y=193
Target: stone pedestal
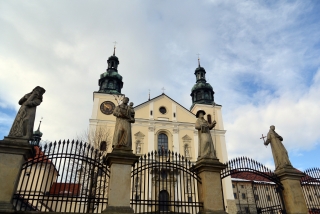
x=294, y=201
x=13, y=153
x=119, y=191
x=210, y=188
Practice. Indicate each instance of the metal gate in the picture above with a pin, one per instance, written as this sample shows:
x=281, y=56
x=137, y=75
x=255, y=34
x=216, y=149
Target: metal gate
x=310, y=184
x=256, y=188
x=164, y=182
x=65, y=176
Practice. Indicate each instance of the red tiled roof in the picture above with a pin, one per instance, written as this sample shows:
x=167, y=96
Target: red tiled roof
x=249, y=176
x=40, y=156
x=70, y=189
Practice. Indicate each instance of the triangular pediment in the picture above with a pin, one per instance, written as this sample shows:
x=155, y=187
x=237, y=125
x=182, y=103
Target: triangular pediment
x=186, y=137
x=139, y=134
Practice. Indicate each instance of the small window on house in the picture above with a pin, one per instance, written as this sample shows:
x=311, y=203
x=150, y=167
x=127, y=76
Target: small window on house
x=103, y=146
x=235, y=195
x=246, y=209
x=310, y=198
x=174, y=114
x=163, y=110
x=243, y=196
x=268, y=198
x=242, y=186
x=151, y=112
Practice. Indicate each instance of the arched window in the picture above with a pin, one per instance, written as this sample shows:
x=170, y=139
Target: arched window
x=103, y=146
x=110, y=84
x=209, y=118
x=162, y=143
x=206, y=95
x=199, y=95
x=164, y=202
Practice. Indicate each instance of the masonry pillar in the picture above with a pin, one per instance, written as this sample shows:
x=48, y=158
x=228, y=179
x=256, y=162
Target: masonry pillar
x=293, y=198
x=119, y=190
x=13, y=153
x=210, y=188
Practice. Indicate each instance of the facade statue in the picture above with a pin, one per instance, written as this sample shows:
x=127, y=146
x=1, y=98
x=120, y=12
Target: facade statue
x=205, y=145
x=122, y=138
x=279, y=152
x=22, y=126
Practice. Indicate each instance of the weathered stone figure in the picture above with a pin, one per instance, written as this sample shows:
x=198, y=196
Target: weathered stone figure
x=279, y=152
x=23, y=124
x=122, y=132
x=205, y=148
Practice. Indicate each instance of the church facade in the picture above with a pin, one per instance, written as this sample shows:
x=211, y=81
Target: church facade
x=161, y=123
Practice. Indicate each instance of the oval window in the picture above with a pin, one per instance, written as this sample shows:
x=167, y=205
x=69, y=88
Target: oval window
x=163, y=110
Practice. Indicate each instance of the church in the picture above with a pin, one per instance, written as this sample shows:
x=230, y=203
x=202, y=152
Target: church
x=161, y=123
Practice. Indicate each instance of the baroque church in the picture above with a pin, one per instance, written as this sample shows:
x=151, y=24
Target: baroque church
x=161, y=122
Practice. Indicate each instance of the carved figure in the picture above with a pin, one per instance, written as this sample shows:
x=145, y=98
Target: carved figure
x=122, y=132
x=205, y=145
x=138, y=149
x=22, y=126
x=186, y=151
x=279, y=152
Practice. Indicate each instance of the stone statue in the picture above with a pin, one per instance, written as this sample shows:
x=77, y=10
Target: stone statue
x=22, y=126
x=186, y=151
x=279, y=152
x=138, y=148
x=122, y=132
x=205, y=145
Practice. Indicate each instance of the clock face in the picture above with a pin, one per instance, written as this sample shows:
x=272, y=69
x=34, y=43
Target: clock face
x=107, y=107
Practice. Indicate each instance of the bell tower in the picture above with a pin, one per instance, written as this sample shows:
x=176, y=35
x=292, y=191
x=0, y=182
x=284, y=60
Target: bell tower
x=201, y=92
x=110, y=82
x=102, y=121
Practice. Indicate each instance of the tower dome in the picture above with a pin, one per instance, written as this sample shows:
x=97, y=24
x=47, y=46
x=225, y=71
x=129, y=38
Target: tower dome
x=110, y=82
x=202, y=92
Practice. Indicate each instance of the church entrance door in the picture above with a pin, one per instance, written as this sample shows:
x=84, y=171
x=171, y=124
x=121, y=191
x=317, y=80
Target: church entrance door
x=164, y=201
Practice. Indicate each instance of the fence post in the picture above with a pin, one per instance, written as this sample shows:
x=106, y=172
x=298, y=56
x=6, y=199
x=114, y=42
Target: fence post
x=119, y=189
x=210, y=188
x=292, y=194
x=13, y=153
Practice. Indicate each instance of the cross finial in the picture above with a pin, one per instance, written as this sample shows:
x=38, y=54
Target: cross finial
x=198, y=60
x=149, y=94
x=263, y=137
x=40, y=123
x=163, y=89
x=114, y=48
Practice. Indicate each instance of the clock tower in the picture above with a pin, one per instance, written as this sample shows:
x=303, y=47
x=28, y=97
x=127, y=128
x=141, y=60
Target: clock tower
x=105, y=100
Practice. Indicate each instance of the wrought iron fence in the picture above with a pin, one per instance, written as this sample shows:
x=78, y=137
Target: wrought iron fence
x=310, y=184
x=64, y=176
x=164, y=181
x=260, y=189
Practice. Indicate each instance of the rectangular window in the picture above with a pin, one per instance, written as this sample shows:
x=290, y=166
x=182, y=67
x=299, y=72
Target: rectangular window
x=151, y=112
x=189, y=198
x=255, y=188
x=268, y=198
x=235, y=195
x=242, y=186
x=233, y=186
x=243, y=196
x=247, y=209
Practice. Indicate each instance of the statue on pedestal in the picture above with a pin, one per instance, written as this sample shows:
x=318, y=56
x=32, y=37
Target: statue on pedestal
x=205, y=145
x=122, y=132
x=22, y=126
x=279, y=152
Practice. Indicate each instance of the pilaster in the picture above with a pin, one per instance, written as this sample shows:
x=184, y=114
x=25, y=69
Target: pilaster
x=292, y=194
x=14, y=152
x=210, y=189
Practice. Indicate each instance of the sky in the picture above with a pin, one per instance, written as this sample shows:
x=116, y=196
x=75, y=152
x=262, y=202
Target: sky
x=262, y=58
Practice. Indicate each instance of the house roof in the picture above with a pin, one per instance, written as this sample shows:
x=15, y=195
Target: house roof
x=70, y=189
x=39, y=156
